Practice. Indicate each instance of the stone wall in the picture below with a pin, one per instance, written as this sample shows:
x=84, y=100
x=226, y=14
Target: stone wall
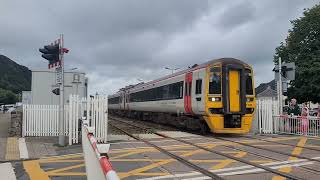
x=16, y=123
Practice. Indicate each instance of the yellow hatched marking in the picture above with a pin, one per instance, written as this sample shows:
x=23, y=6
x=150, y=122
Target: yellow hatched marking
x=296, y=151
x=61, y=161
x=227, y=162
x=53, y=172
x=153, y=174
x=12, y=148
x=145, y=168
x=34, y=171
x=68, y=174
x=153, y=165
x=269, y=145
x=63, y=157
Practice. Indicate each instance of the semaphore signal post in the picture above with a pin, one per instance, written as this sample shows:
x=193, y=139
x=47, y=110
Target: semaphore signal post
x=54, y=53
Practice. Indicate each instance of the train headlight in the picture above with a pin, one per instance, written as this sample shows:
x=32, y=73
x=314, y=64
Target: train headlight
x=215, y=99
x=249, y=99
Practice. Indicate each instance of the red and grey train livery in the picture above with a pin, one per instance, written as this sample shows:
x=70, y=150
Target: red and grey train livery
x=217, y=95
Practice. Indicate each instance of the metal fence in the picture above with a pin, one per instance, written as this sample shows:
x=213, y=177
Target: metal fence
x=298, y=125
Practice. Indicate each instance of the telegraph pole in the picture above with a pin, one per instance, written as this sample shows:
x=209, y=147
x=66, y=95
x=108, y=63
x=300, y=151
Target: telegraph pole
x=61, y=112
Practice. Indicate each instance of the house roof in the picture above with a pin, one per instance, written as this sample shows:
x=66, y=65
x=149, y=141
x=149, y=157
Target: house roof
x=268, y=93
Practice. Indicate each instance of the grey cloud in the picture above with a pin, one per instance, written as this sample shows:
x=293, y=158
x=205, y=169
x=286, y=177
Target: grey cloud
x=117, y=42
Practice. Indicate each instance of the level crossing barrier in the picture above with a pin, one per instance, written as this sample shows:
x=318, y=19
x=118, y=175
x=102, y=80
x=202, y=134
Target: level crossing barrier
x=98, y=166
x=297, y=125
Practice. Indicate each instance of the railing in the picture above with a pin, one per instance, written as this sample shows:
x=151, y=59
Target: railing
x=298, y=125
x=98, y=166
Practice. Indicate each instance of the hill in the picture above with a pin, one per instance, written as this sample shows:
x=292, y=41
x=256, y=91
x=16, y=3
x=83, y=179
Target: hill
x=14, y=77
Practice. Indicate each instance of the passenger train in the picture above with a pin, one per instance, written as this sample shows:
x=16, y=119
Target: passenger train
x=216, y=96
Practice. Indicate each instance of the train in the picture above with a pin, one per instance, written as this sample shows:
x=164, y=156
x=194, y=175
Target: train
x=216, y=96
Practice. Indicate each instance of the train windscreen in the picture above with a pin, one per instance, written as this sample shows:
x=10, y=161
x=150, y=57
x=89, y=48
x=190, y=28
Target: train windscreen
x=215, y=81
x=249, y=84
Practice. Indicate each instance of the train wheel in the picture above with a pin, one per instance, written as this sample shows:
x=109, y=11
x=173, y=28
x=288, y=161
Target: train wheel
x=203, y=128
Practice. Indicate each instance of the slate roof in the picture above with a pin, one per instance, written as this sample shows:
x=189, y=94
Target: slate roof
x=268, y=93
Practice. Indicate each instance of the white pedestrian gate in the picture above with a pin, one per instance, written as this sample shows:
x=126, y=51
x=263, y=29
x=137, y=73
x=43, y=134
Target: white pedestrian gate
x=43, y=120
x=266, y=109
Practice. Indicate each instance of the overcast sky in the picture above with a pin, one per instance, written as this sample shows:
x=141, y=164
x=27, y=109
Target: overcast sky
x=117, y=42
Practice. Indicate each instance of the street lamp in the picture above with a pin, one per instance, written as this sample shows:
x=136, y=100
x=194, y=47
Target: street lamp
x=172, y=69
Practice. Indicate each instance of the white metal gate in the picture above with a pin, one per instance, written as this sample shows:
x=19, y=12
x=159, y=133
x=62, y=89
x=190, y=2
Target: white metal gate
x=43, y=120
x=266, y=109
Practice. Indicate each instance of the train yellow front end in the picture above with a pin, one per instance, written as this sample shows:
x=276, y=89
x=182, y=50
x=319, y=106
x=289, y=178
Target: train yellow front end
x=230, y=97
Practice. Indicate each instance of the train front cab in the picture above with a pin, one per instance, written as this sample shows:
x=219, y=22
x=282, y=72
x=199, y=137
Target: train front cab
x=230, y=99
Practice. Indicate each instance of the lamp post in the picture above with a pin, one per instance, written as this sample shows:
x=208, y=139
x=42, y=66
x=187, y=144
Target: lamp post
x=172, y=69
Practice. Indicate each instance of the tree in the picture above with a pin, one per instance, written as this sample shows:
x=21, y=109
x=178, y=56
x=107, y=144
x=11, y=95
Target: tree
x=302, y=46
x=7, y=97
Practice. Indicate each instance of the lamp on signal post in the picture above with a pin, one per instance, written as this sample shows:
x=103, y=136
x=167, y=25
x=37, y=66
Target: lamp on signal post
x=51, y=53
x=172, y=69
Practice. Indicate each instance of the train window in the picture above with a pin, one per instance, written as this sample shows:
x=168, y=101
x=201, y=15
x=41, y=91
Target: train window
x=249, y=87
x=215, y=81
x=114, y=100
x=170, y=91
x=198, y=86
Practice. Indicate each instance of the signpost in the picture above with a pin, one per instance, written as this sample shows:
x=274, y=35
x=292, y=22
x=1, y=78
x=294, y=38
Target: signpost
x=54, y=53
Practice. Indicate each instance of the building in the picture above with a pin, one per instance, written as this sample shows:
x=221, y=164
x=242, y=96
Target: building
x=268, y=93
x=44, y=81
x=26, y=97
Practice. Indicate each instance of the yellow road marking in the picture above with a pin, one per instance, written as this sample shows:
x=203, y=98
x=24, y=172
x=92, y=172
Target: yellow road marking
x=153, y=174
x=56, y=171
x=34, y=170
x=12, y=149
x=61, y=161
x=145, y=168
x=296, y=151
x=153, y=165
x=227, y=162
x=63, y=157
x=68, y=174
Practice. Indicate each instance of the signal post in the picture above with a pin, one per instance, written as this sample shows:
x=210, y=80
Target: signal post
x=54, y=53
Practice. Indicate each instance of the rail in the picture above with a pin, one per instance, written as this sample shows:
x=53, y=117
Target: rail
x=98, y=166
x=289, y=176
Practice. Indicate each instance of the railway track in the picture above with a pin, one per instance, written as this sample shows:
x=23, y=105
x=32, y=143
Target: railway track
x=289, y=176
x=178, y=158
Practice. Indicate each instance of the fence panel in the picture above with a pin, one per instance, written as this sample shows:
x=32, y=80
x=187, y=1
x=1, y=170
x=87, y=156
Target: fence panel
x=43, y=120
x=40, y=120
x=266, y=108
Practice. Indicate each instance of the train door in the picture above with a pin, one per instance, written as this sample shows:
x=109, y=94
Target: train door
x=198, y=92
x=234, y=90
x=187, y=93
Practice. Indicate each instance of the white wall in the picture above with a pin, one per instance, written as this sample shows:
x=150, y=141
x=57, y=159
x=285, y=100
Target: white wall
x=44, y=81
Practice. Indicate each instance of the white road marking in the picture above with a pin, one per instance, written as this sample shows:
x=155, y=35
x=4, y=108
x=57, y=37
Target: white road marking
x=23, y=149
x=238, y=170
x=7, y=172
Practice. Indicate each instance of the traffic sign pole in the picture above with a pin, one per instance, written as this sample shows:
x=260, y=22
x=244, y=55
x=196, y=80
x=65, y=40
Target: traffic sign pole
x=61, y=112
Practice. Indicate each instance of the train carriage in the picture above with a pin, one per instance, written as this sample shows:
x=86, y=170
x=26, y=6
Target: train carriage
x=217, y=95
